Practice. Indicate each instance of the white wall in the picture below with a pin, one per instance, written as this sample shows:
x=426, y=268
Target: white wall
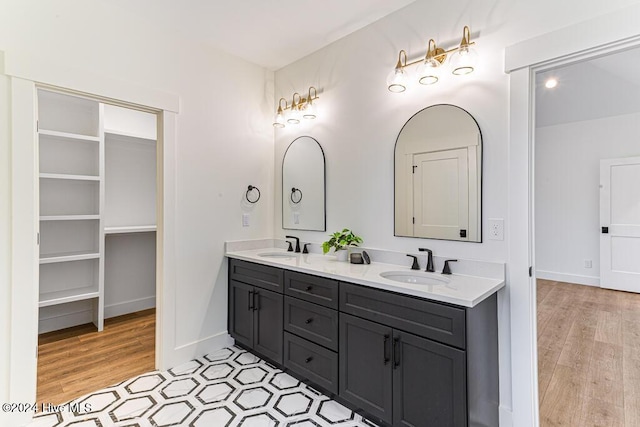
x=359, y=119
x=224, y=136
x=5, y=238
x=567, y=193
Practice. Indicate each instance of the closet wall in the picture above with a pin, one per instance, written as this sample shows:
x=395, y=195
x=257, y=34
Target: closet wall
x=97, y=210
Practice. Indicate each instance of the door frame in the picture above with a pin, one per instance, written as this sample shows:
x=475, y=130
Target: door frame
x=26, y=75
x=599, y=36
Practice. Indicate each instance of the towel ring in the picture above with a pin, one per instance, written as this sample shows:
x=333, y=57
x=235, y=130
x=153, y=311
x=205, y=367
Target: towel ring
x=250, y=189
x=295, y=190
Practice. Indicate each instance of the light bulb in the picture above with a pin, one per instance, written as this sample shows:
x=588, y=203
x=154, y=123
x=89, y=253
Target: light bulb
x=309, y=111
x=551, y=83
x=463, y=61
x=397, y=80
x=294, y=116
x=279, y=120
x=428, y=72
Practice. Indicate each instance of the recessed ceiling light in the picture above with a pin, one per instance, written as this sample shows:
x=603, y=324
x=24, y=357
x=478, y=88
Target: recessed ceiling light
x=551, y=83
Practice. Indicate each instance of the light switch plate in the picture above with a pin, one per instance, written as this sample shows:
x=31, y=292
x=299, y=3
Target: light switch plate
x=296, y=218
x=496, y=228
x=245, y=219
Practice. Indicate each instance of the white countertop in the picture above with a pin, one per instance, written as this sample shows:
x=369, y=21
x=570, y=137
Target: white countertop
x=464, y=290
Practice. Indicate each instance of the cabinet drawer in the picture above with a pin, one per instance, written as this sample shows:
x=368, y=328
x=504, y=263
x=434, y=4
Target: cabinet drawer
x=311, y=288
x=263, y=276
x=428, y=319
x=311, y=321
x=311, y=361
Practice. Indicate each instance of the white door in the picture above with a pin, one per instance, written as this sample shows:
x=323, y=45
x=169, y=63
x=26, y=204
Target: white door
x=441, y=195
x=620, y=224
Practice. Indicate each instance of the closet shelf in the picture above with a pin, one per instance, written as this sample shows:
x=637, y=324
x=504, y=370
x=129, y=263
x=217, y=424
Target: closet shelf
x=68, y=135
x=69, y=295
x=68, y=256
x=68, y=217
x=129, y=229
x=128, y=135
x=69, y=177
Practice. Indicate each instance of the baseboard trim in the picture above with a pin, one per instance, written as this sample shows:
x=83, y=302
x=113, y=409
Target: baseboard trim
x=195, y=349
x=568, y=278
x=63, y=321
x=127, y=307
x=506, y=417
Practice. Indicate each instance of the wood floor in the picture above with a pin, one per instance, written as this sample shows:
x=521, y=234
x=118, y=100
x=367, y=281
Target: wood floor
x=79, y=360
x=588, y=356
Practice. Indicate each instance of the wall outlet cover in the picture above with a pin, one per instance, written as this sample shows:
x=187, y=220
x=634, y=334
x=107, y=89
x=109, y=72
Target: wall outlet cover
x=496, y=228
x=245, y=219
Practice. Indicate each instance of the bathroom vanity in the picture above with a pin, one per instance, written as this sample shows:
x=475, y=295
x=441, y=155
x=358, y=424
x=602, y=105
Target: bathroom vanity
x=402, y=354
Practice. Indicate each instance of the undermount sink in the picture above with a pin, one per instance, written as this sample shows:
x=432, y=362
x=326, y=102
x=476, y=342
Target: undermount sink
x=277, y=255
x=414, y=277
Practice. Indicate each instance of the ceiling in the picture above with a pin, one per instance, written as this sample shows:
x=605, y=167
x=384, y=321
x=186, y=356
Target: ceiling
x=601, y=87
x=270, y=33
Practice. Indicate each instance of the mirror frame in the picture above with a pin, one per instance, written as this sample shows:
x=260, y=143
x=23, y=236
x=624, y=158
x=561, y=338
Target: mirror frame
x=480, y=186
x=324, y=185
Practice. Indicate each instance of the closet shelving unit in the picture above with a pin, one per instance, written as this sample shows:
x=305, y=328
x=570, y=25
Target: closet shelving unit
x=94, y=183
x=71, y=150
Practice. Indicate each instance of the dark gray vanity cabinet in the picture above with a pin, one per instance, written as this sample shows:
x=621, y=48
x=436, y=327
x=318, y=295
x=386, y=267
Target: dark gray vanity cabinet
x=401, y=361
x=255, y=312
x=311, y=328
x=411, y=362
x=400, y=378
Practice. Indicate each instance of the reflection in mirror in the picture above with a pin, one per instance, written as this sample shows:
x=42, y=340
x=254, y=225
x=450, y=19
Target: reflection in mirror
x=303, y=186
x=438, y=176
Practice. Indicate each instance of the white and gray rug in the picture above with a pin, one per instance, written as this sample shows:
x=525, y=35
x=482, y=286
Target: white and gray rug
x=229, y=388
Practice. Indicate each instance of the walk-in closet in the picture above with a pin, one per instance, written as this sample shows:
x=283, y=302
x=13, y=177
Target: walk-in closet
x=97, y=195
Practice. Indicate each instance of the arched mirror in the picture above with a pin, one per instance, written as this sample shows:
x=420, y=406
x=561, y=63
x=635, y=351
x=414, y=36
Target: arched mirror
x=438, y=176
x=303, y=186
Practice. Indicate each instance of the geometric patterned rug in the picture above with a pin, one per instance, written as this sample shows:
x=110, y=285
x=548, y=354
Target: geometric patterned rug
x=228, y=388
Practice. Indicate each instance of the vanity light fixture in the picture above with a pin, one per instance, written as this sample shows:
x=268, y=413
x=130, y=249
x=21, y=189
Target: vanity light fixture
x=300, y=108
x=462, y=61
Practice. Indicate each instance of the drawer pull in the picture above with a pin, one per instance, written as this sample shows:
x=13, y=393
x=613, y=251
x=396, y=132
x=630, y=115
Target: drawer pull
x=308, y=359
x=309, y=320
x=309, y=288
x=250, y=305
x=256, y=301
x=396, y=352
x=384, y=349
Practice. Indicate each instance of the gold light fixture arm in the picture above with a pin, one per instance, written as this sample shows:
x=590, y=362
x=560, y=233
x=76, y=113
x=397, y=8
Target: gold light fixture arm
x=280, y=109
x=437, y=53
x=401, y=64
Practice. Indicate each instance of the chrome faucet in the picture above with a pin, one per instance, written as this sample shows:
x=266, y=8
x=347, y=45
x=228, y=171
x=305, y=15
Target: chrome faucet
x=429, y=252
x=297, y=244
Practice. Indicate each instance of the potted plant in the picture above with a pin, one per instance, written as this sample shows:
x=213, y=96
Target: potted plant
x=339, y=241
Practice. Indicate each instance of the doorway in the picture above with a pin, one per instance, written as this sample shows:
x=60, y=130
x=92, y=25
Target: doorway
x=97, y=231
x=585, y=112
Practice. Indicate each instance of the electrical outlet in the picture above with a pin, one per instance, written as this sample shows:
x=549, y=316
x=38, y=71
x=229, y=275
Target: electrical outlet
x=588, y=263
x=296, y=218
x=496, y=228
x=245, y=219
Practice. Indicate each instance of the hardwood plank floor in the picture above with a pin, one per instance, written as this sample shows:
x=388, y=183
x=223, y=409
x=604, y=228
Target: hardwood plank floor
x=588, y=355
x=76, y=361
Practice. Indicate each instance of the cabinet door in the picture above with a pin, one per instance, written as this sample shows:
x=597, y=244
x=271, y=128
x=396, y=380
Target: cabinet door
x=365, y=365
x=268, y=324
x=429, y=383
x=241, y=312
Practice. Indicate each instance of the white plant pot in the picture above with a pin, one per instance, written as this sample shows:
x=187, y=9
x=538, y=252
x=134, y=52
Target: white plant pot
x=342, y=255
